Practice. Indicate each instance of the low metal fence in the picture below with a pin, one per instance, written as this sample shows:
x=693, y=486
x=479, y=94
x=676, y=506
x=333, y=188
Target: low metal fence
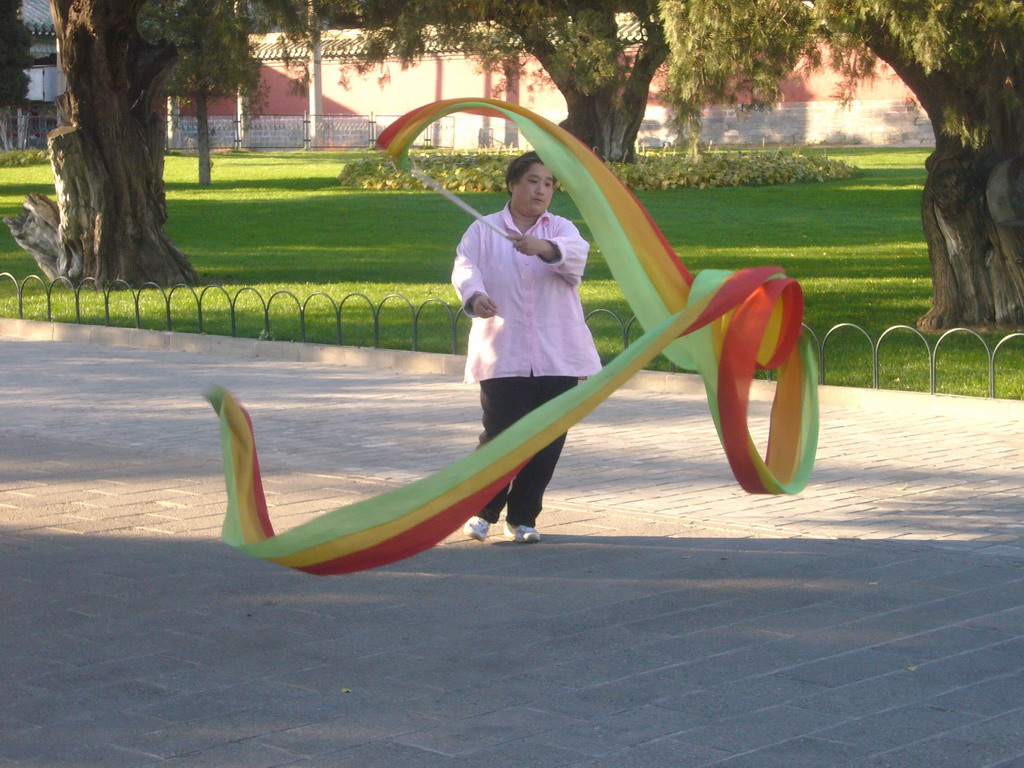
x=454, y=316
x=19, y=130
x=287, y=132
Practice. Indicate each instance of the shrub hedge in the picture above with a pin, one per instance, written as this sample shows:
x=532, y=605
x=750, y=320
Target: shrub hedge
x=485, y=171
x=18, y=157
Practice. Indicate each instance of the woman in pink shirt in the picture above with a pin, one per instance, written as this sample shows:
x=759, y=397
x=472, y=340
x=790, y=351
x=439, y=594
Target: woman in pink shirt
x=529, y=341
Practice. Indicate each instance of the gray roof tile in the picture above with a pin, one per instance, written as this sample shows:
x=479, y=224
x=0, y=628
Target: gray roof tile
x=36, y=16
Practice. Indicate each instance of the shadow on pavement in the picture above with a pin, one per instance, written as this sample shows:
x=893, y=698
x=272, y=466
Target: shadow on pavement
x=585, y=648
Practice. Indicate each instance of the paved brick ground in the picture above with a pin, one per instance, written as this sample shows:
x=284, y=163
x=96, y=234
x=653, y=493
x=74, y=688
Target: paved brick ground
x=667, y=619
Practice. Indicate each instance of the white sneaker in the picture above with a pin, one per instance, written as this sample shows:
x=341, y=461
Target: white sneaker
x=524, y=534
x=476, y=528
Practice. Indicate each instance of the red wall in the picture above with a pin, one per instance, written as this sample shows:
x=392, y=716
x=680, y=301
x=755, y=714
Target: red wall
x=392, y=90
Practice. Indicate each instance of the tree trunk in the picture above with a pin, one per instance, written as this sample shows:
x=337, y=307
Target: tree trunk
x=5, y=129
x=607, y=116
x=511, y=94
x=107, y=155
x=972, y=210
x=609, y=120
x=1004, y=194
x=203, y=139
x=607, y=127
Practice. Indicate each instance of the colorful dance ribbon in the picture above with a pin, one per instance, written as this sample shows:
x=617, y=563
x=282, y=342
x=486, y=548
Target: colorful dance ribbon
x=723, y=325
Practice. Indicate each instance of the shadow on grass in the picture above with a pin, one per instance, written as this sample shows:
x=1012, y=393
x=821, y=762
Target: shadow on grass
x=356, y=237
x=21, y=190
x=280, y=184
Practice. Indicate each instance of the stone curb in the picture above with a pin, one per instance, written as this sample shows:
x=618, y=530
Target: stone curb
x=452, y=365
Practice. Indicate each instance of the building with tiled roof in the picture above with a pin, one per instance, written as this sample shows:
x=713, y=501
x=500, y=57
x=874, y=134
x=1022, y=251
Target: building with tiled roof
x=35, y=14
x=344, y=44
x=26, y=127
x=44, y=78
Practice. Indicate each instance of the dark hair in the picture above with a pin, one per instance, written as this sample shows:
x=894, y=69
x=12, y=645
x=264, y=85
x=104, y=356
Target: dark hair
x=518, y=168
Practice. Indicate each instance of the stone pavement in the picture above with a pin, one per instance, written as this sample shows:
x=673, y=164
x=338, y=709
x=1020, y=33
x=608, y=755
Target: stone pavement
x=667, y=619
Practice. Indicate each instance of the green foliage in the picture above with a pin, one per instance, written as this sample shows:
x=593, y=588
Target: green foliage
x=604, y=76
x=961, y=59
x=729, y=169
x=732, y=51
x=15, y=55
x=20, y=157
x=457, y=171
x=214, y=51
x=485, y=172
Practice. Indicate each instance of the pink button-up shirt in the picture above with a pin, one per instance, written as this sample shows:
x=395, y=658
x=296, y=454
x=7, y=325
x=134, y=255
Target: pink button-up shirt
x=539, y=328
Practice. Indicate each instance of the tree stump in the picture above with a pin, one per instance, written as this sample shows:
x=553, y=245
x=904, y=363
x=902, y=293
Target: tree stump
x=37, y=230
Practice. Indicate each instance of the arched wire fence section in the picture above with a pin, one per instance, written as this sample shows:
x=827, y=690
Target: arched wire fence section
x=63, y=283
x=451, y=323
x=244, y=292
x=377, y=313
x=115, y=289
x=217, y=289
x=298, y=309
x=138, y=298
x=21, y=295
x=354, y=314
x=373, y=314
x=195, y=298
x=335, y=311
x=823, y=349
x=623, y=328
x=992, y=361
x=91, y=288
x=878, y=345
x=935, y=356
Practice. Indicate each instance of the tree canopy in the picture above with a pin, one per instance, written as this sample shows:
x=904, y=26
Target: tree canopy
x=605, y=76
x=15, y=55
x=963, y=61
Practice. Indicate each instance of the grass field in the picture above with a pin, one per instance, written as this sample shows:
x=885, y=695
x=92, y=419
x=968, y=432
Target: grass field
x=280, y=222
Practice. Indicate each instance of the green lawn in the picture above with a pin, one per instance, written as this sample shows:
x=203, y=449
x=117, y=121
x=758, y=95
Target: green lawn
x=280, y=222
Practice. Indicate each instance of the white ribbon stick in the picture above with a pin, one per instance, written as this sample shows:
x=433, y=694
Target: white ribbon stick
x=436, y=186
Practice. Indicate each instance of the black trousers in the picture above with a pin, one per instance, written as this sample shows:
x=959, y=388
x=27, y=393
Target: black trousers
x=504, y=402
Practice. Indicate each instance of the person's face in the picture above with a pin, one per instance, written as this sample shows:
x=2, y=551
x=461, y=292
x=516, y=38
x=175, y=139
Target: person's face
x=531, y=195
